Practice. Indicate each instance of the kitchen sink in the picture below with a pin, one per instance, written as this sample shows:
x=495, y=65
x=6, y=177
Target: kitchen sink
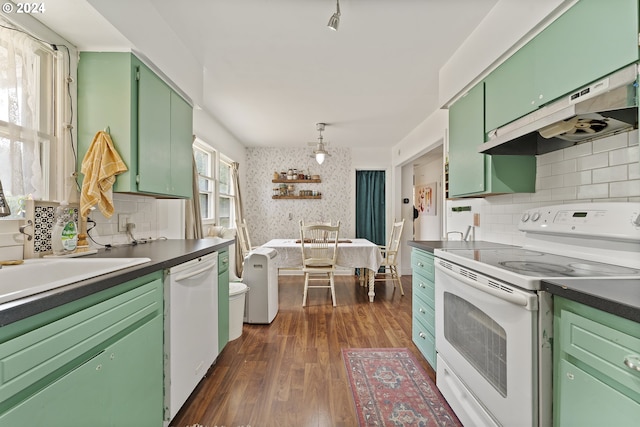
x=43, y=274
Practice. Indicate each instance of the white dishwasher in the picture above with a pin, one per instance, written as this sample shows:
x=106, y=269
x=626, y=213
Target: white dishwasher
x=190, y=328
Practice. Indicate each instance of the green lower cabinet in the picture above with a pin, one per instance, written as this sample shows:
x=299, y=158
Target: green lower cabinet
x=423, y=309
x=119, y=386
x=587, y=401
x=95, y=362
x=592, y=385
x=223, y=298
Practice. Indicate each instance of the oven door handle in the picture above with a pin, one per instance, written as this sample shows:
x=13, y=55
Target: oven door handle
x=514, y=298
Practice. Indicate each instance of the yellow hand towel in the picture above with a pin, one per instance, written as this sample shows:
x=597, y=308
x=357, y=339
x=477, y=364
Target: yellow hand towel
x=100, y=166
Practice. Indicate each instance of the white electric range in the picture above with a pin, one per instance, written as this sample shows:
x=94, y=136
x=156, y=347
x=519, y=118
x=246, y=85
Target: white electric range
x=493, y=324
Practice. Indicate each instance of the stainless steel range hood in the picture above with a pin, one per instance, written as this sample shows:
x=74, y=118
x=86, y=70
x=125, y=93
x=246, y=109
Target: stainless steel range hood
x=603, y=108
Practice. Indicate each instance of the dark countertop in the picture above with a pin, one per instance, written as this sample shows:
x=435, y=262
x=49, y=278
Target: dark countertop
x=431, y=245
x=617, y=296
x=163, y=254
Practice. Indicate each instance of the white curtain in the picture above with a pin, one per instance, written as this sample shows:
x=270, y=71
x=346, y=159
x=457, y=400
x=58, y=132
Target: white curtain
x=235, y=182
x=193, y=214
x=20, y=115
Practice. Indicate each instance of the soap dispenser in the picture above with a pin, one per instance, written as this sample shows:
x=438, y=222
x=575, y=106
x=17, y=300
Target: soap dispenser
x=64, y=235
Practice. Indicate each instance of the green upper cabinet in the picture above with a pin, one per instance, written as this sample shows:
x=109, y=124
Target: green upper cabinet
x=108, y=99
x=590, y=40
x=154, y=133
x=510, y=88
x=475, y=174
x=181, y=142
x=149, y=123
x=466, y=132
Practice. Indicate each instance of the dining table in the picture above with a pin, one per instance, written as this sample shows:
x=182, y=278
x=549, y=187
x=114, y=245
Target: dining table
x=352, y=253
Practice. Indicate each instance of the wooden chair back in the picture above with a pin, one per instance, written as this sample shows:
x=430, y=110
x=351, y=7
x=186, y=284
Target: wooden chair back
x=319, y=245
x=393, y=244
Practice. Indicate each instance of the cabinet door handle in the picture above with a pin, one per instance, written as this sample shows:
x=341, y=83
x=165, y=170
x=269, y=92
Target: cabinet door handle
x=422, y=335
x=420, y=264
x=632, y=362
x=422, y=285
x=421, y=310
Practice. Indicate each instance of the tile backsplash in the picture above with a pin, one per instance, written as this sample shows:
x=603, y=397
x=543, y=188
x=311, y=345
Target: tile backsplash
x=605, y=170
x=142, y=211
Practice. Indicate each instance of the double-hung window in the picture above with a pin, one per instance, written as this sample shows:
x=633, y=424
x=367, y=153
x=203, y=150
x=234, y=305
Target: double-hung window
x=215, y=188
x=27, y=116
x=206, y=166
x=226, y=196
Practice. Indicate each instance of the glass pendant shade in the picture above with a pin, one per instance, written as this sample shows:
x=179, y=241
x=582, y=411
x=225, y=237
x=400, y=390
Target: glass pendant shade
x=334, y=21
x=320, y=158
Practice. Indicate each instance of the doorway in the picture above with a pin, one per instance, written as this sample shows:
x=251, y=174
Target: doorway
x=370, y=205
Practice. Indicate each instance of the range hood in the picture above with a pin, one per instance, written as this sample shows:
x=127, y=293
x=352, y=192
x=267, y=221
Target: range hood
x=603, y=108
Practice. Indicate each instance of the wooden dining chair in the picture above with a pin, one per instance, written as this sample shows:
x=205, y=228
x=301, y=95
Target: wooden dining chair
x=319, y=245
x=390, y=256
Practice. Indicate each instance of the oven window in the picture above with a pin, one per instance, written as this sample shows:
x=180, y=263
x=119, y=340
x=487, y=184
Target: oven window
x=478, y=338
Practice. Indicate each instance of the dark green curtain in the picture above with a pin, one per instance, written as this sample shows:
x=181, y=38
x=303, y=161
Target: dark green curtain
x=370, y=206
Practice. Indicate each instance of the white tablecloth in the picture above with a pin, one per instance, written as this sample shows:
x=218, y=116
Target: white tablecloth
x=360, y=253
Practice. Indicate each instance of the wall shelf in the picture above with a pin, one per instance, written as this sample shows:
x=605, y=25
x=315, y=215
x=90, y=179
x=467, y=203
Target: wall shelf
x=296, y=197
x=296, y=181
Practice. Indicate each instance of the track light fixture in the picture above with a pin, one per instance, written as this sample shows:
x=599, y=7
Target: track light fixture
x=334, y=21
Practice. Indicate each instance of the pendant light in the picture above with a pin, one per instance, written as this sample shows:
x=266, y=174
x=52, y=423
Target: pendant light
x=320, y=153
x=334, y=21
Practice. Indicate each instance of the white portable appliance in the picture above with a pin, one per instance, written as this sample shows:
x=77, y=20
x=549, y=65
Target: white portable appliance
x=494, y=325
x=191, y=328
x=261, y=275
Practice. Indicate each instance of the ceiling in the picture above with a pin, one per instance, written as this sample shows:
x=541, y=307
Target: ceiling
x=272, y=69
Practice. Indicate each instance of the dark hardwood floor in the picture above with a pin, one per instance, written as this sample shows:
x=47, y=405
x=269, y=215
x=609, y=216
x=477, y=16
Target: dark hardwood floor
x=291, y=373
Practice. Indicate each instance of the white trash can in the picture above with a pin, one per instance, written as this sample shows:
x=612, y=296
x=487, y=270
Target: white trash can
x=237, y=293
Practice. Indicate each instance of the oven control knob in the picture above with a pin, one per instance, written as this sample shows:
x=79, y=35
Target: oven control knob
x=525, y=217
x=535, y=216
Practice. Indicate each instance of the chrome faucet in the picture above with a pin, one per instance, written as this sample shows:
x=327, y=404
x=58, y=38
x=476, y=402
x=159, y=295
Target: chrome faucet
x=471, y=232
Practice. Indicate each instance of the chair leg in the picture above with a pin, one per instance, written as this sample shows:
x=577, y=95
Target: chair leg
x=306, y=287
x=395, y=277
x=333, y=289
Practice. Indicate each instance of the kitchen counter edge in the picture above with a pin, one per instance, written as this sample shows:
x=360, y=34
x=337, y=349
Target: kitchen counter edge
x=616, y=296
x=163, y=254
x=431, y=245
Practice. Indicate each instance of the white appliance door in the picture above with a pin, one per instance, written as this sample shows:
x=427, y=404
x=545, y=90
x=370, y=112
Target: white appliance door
x=488, y=344
x=191, y=327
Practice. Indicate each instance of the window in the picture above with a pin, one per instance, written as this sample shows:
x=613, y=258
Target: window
x=205, y=164
x=31, y=81
x=226, y=197
x=216, y=195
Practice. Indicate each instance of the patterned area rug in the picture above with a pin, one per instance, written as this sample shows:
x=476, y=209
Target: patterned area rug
x=390, y=388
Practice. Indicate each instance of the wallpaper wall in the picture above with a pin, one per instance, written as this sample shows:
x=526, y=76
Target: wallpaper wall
x=268, y=218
